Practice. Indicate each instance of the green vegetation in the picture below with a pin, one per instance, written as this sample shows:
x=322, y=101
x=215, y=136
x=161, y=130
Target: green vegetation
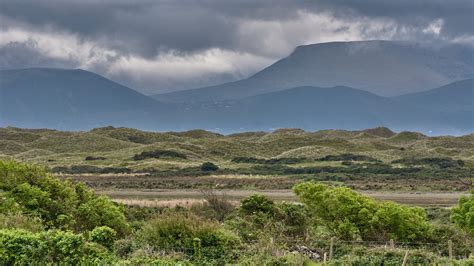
x=352, y=216
x=370, y=159
x=463, y=214
x=209, y=167
x=62, y=221
x=31, y=191
x=158, y=154
x=44, y=220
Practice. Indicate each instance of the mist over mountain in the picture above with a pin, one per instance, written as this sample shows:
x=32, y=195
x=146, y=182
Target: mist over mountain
x=72, y=99
x=386, y=68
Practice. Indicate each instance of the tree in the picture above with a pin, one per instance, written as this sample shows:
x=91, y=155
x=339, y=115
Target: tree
x=350, y=215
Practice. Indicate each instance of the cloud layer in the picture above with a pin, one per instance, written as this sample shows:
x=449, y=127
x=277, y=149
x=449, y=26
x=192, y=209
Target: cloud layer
x=166, y=45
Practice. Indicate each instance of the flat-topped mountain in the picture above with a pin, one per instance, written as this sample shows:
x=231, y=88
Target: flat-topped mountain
x=386, y=68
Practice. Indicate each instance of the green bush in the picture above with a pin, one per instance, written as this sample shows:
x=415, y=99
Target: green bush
x=463, y=214
x=48, y=247
x=257, y=204
x=32, y=191
x=159, y=154
x=176, y=231
x=350, y=215
x=100, y=211
x=104, y=236
x=21, y=221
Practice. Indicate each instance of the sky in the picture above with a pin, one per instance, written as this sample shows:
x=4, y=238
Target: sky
x=167, y=45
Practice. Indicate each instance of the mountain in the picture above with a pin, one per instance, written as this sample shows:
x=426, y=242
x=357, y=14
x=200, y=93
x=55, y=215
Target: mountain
x=78, y=100
x=453, y=97
x=72, y=99
x=386, y=68
x=454, y=103
x=314, y=108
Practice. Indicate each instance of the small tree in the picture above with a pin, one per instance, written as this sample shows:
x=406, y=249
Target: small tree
x=351, y=215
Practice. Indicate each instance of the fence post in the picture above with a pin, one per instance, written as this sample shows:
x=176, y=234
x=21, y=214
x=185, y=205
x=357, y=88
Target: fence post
x=450, y=249
x=197, y=248
x=331, y=248
x=325, y=257
x=392, y=244
x=405, y=259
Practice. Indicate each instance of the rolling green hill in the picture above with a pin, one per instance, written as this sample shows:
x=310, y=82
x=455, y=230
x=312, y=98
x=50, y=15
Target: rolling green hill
x=116, y=147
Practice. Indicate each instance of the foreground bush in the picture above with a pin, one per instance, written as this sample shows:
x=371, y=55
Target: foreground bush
x=463, y=214
x=178, y=232
x=32, y=191
x=350, y=215
x=21, y=247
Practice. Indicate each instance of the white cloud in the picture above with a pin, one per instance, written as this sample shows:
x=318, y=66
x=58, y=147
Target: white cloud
x=195, y=68
x=258, y=44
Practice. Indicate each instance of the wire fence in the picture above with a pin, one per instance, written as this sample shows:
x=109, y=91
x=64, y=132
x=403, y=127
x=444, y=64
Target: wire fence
x=324, y=250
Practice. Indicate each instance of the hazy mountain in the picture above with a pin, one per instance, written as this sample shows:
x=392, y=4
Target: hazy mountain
x=456, y=96
x=77, y=99
x=453, y=102
x=314, y=108
x=71, y=99
x=385, y=68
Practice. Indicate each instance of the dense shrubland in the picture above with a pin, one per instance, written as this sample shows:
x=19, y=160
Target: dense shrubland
x=44, y=220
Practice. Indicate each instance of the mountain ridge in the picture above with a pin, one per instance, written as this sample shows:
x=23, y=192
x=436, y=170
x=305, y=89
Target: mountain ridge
x=386, y=68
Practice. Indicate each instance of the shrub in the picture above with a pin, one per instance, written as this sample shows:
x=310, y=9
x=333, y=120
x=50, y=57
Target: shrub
x=254, y=160
x=104, y=236
x=159, y=154
x=463, y=214
x=20, y=247
x=21, y=221
x=94, y=158
x=209, y=167
x=59, y=204
x=433, y=162
x=176, y=231
x=257, y=204
x=101, y=211
x=348, y=157
x=219, y=205
x=350, y=215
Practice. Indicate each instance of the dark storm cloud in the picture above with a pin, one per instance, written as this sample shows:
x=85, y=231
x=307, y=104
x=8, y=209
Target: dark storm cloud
x=147, y=27
x=170, y=44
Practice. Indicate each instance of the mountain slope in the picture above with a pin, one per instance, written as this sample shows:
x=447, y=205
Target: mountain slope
x=382, y=67
x=314, y=108
x=456, y=96
x=454, y=103
x=70, y=99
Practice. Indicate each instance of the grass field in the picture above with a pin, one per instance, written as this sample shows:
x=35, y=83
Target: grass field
x=175, y=197
x=125, y=161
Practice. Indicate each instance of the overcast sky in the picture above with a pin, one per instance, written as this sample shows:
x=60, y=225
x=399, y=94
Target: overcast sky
x=157, y=46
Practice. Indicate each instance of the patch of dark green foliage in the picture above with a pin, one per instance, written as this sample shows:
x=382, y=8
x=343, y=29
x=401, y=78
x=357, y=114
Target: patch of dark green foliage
x=159, y=154
x=253, y=160
x=443, y=162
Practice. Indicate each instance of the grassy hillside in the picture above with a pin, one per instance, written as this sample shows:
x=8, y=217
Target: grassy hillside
x=369, y=159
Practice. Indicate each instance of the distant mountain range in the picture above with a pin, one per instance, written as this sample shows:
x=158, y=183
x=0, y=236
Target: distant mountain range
x=78, y=99
x=386, y=68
